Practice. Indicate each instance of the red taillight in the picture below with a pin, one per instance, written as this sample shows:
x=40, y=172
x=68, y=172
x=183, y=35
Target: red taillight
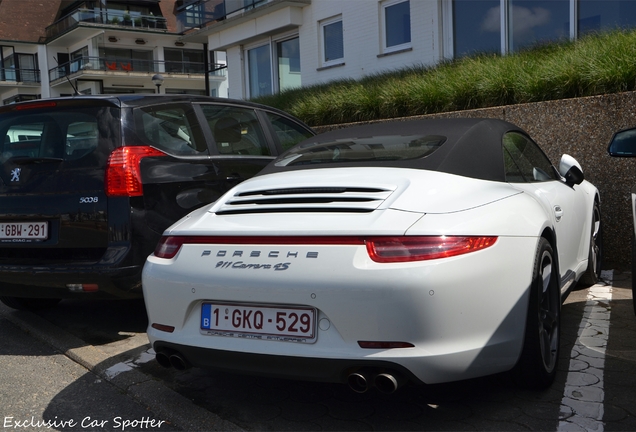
x=380, y=249
x=169, y=246
x=35, y=105
x=123, y=177
x=163, y=327
x=78, y=287
x=404, y=249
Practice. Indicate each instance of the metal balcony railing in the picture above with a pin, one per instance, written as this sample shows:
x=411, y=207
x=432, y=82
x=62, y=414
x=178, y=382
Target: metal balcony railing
x=20, y=75
x=121, y=18
x=114, y=64
x=200, y=13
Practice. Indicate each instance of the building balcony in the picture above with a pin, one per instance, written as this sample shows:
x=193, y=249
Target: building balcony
x=120, y=66
x=11, y=76
x=116, y=18
x=200, y=13
x=257, y=17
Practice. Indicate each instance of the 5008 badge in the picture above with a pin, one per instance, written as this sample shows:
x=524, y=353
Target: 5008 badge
x=88, y=200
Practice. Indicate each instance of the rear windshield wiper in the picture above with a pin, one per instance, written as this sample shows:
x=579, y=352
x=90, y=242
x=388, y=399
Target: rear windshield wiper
x=26, y=160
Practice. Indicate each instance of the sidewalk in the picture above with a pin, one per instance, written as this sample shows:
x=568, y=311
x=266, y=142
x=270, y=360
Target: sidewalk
x=175, y=410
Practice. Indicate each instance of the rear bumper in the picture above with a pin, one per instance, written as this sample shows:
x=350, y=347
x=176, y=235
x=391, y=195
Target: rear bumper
x=53, y=281
x=117, y=272
x=286, y=367
x=464, y=317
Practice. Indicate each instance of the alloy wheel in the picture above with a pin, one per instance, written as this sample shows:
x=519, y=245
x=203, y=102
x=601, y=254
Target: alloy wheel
x=548, y=314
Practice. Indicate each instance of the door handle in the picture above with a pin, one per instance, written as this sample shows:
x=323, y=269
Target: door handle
x=558, y=213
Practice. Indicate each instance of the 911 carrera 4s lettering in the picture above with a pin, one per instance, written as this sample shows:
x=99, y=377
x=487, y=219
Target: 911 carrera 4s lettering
x=243, y=266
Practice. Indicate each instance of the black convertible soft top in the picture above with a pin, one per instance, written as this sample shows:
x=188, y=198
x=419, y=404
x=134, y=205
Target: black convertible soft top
x=473, y=147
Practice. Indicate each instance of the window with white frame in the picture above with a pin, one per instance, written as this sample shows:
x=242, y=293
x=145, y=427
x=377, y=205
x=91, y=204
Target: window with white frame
x=288, y=54
x=274, y=66
x=332, y=41
x=259, y=70
x=396, y=25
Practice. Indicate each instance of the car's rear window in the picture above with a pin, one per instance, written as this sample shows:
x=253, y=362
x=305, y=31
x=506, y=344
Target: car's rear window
x=65, y=134
x=363, y=150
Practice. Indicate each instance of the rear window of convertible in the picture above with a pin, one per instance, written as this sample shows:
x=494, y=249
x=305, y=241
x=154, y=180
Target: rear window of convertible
x=363, y=149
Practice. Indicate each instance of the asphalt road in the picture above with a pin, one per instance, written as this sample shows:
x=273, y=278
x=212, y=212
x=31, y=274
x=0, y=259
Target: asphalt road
x=42, y=389
x=99, y=349
x=71, y=365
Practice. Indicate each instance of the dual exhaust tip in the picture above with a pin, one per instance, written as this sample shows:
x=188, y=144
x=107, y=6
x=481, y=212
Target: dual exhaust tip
x=173, y=359
x=386, y=382
x=360, y=381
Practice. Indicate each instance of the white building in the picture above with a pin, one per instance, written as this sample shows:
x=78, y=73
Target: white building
x=54, y=47
x=277, y=44
x=248, y=48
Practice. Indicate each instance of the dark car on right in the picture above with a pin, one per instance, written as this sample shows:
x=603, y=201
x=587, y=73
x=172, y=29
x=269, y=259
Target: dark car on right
x=623, y=144
x=88, y=184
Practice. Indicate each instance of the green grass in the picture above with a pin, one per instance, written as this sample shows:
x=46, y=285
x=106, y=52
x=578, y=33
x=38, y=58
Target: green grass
x=594, y=65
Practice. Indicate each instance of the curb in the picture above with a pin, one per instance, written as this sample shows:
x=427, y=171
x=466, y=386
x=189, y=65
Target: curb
x=157, y=397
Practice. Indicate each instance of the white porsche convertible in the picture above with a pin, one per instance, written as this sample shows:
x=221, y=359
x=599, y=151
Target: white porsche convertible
x=421, y=251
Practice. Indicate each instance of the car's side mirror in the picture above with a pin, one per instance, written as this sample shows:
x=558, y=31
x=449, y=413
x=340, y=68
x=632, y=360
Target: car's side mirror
x=571, y=170
x=623, y=143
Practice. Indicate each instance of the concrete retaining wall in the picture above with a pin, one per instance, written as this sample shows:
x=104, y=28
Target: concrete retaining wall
x=582, y=128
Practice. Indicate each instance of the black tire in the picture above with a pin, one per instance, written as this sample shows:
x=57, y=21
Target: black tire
x=593, y=273
x=29, y=303
x=633, y=274
x=537, y=364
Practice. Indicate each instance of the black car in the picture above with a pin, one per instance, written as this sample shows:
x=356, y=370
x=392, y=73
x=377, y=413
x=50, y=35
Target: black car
x=88, y=184
x=623, y=144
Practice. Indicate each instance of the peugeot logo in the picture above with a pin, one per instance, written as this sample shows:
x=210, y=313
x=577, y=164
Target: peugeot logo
x=15, y=174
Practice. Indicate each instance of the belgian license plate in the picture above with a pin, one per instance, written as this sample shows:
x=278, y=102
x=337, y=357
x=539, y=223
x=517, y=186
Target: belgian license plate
x=280, y=323
x=24, y=231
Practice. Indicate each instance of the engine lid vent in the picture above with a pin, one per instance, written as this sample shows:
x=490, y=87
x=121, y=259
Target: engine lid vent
x=306, y=199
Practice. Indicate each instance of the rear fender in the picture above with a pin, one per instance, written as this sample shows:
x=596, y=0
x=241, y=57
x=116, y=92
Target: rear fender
x=516, y=216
